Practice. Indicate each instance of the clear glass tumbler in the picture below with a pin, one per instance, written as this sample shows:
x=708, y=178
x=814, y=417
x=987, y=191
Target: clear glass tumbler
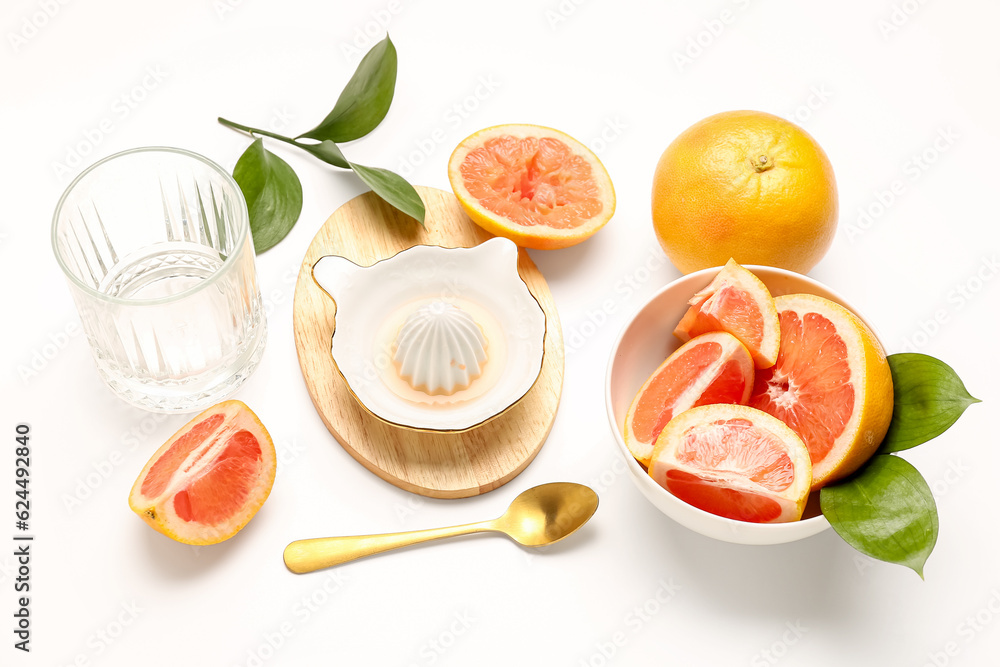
x=156, y=246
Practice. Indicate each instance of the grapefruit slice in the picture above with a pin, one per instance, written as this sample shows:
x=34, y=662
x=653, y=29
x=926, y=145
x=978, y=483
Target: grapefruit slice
x=734, y=461
x=209, y=479
x=536, y=186
x=831, y=385
x=738, y=302
x=712, y=368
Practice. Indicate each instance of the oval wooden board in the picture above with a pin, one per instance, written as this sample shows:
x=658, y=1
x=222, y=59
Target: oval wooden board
x=439, y=465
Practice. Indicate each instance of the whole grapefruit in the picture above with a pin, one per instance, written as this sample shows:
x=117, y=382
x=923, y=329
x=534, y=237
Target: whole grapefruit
x=745, y=185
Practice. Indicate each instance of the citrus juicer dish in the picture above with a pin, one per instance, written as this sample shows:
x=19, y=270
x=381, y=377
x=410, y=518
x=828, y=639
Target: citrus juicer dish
x=434, y=338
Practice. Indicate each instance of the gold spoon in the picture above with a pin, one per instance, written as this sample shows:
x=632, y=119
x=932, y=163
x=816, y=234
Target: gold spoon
x=539, y=516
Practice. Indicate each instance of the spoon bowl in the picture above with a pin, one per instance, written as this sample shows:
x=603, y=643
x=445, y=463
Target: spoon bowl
x=539, y=516
x=547, y=513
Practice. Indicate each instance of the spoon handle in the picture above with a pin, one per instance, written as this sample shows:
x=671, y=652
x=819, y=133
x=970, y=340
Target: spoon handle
x=304, y=556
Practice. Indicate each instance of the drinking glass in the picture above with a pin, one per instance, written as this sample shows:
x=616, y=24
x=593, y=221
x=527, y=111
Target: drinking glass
x=156, y=247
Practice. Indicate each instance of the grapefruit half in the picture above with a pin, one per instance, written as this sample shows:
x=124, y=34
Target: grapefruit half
x=831, y=384
x=210, y=478
x=712, y=368
x=738, y=302
x=536, y=186
x=734, y=461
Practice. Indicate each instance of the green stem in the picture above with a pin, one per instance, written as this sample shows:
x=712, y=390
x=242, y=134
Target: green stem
x=253, y=130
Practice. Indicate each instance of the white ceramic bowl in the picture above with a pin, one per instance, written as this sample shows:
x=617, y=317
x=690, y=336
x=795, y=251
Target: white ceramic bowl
x=369, y=298
x=644, y=342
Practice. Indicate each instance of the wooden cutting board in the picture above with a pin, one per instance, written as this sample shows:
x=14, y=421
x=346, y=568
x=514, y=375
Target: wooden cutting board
x=440, y=465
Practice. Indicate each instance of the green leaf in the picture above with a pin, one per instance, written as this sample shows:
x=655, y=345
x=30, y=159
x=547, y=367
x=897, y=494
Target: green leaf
x=365, y=99
x=327, y=151
x=886, y=511
x=273, y=194
x=393, y=188
x=928, y=398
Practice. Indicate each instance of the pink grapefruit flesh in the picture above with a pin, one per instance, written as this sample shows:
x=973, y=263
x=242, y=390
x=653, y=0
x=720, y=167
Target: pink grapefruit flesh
x=537, y=186
x=712, y=368
x=736, y=301
x=210, y=478
x=735, y=462
x=831, y=384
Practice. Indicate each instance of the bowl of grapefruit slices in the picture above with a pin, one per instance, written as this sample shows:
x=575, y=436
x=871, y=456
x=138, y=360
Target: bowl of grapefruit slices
x=736, y=393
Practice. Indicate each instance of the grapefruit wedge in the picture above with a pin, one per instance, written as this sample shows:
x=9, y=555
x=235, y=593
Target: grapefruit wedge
x=831, y=384
x=712, y=368
x=209, y=479
x=734, y=461
x=738, y=302
x=536, y=186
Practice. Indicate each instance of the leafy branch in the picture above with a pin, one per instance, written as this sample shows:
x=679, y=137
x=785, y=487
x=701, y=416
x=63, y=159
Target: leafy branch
x=272, y=188
x=886, y=509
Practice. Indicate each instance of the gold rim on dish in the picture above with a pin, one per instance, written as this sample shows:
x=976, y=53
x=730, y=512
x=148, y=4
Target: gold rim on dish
x=418, y=429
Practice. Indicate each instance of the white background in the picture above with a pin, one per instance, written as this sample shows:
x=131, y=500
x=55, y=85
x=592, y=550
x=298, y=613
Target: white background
x=874, y=93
